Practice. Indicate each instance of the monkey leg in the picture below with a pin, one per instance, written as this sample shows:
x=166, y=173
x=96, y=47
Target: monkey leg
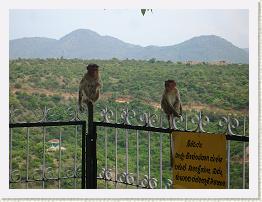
x=169, y=120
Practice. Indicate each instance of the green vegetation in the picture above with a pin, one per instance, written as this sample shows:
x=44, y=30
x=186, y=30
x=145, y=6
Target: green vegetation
x=53, y=83
x=223, y=87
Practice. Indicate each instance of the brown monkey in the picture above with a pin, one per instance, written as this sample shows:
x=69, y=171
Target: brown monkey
x=170, y=102
x=171, y=105
x=89, y=87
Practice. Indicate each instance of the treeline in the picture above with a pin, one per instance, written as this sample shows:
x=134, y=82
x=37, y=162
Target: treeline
x=224, y=87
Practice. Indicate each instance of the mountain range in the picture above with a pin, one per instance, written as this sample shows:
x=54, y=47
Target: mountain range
x=87, y=44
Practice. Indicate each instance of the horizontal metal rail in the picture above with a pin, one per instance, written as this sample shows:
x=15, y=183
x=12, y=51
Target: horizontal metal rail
x=162, y=130
x=42, y=124
x=46, y=179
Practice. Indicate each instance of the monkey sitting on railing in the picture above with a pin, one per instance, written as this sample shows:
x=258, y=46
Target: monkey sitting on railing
x=170, y=102
x=89, y=87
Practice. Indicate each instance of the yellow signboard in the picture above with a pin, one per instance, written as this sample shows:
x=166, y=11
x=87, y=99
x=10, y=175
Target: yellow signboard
x=199, y=160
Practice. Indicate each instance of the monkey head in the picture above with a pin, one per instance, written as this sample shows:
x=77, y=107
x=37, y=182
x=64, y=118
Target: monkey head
x=170, y=85
x=93, y=71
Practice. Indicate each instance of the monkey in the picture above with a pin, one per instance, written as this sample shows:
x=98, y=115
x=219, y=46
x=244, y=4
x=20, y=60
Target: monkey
x=171, y=105
x=170, y=101
x=89, y=87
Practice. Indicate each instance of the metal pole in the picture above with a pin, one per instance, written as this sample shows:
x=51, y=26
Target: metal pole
x=10, y=155
x=27, y=157
x=83, y=185
x=244, y=157
x=127, y=173
x=43, y=166
x=106, y=154
x=60, y=158
x=149, y=158
x=137, y=157
x=75, y=158
x=91, y=160
x=116, y=136
x=228, y=164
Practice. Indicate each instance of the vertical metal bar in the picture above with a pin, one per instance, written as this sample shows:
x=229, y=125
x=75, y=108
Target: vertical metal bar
x=27, y=157
x=116, y=137
x=160, y=161
x=228, y=153
x=126, y=155
x=43, y=166
x=75, y=157
x=149, y=156
x=161, y=155
x=172, y=149
x=91, y=166
x=186, y=127
x=94, y=158
x=88, y=147
x=83, y=174
x=60, y=157
x=228, y=164
x=137, y=158
x=106, y=154
x=10, y=154
x=244, y=156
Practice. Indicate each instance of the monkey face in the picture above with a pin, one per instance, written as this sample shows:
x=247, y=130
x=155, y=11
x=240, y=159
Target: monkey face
x=170, y=85
x=94, y=73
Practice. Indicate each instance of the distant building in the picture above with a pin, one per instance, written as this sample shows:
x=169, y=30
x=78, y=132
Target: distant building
x=55, y=145
x=192, y=62
x=221, y=62
x=54, y=142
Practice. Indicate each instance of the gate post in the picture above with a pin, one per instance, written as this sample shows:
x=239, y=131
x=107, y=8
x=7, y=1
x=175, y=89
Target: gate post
x=83, y=184
x=91, y=160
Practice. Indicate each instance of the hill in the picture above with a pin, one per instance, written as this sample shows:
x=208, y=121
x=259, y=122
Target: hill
x=87, y=44
x=130, y=81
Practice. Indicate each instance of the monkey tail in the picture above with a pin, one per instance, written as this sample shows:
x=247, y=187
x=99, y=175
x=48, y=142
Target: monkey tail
x=180, y=109
x=80, y=100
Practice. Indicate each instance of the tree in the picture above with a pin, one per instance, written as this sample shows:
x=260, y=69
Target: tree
x=152, y=60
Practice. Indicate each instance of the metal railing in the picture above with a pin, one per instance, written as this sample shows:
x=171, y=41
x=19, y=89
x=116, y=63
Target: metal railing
x=148, y=134
x=121, y=149
x=34, y=162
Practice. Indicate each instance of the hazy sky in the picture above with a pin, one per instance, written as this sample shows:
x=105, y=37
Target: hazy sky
x=161, y=27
